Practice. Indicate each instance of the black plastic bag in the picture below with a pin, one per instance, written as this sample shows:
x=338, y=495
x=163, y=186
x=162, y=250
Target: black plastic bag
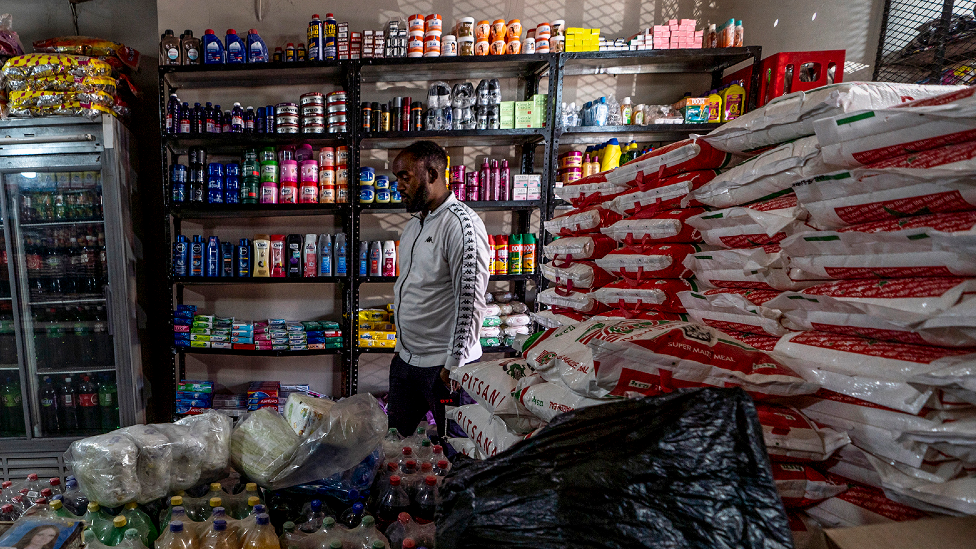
x=684, y=470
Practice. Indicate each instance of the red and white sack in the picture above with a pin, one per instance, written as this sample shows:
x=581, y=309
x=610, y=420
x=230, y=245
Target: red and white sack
x=578, y=274
x=919, y=311
x=575, y=248
x=648, y=358
x=861, y=506
x=644, y=263
x=935, y=181
x=870, y=370
x=869, y=136
x=734, y=309
x=590, y=190
x=899, y=254
x=801, y=486
x=669, y=190
x=658, y=295
x=871, y=428
x=549, y=319
x=656, y=316
x=759, y=224
x=762, y=342
x=491, y=383
x=791, y=436
x=957, y=381
x=587, y=220
x=952, y=497
x=547, y=399
x=581, y=302
x=551, y=352
x=752, y=268
x=489, y=433
x=654, y=227
x=688, y=155
x=764, y=176
x=791, y=116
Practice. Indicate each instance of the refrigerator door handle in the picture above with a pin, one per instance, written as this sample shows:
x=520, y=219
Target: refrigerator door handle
x=47, y=139
x=107, y=290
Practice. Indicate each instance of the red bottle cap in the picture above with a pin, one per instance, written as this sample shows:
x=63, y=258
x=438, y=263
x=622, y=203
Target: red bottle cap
x=209, y=31
x=315, y=16
x=430, y=480
x=409, y=544
x=442, y=463
x=391, y=466
x=329, y=16
x=231, y=31
x=404, y=518
x=252, y=31
x=55, y=481
x=32, y=476
x=407, y=450
x=40, y=501
x=47, y=492
x=395, y=480
x=411, y=463
x=426, y=466
x=290, y=45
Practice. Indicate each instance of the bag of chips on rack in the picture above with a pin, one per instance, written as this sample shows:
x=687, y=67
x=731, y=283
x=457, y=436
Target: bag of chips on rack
x=643, y=263
x=757, y=224
x=574, y=248
x=792, y=116
x=765, y=176
x=38, y=65
x=86, y=45
x=66, y=83
x=655, y=227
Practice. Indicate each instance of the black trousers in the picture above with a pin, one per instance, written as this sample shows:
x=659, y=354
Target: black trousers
x=413, y=392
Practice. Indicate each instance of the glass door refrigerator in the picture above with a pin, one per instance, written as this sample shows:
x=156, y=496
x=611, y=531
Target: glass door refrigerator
x=70, y=363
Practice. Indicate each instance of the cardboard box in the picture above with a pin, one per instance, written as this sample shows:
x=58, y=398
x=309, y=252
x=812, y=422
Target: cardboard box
x=941, y=533
x=523, y=114
x=539, y=110
x=506, y=117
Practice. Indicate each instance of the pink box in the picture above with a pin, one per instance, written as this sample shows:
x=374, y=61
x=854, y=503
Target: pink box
x=657, y=28
x=673, y=22
x=691, y=22
x=662, y=46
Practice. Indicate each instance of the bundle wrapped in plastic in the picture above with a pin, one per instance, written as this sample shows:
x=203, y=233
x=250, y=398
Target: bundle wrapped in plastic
x=86, y=45
x=38, y=65
x=105, y=466
x=262, y=444
x=214, y=429
x=66, y=83
x=187, y=453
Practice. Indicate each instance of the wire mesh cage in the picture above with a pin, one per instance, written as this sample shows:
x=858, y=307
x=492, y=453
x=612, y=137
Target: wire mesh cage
x=927, y=41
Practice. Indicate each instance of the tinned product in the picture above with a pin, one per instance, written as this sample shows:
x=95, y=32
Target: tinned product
x=571, y=159
x=313, y=110
x=312, y=98
x=289, y=109
x=416, y=116
x=336, y=96
x=338, y=127
x=313, y=128
x=286, y=128
x=313, y=121
x=286, y=120
x=336, y=106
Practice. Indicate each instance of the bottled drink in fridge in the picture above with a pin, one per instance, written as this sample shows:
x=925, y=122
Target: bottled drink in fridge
x=108, y=402
x=12, y=409
x=88, y=419
x=392, y=503
x=68, y=407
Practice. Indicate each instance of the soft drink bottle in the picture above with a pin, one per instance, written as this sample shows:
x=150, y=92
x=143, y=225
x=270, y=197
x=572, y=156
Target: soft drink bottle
x=248, y=526
x=74, y=499
x=49, y=407
x=425, y=502
x=264, y=535
x=8, y=513
x=58, y=508
x=172, y=114
x=12, y=409
x=178, y=538
x=99, y=521
x=393, y=502
x=392, y=444
x=406, y=454
x=131, y=540
x=55, y=485
x=90, y=539
x=108, y=402
x=313, y=519
x=166, y=515
x=397, y=531
x=442, y=468
x=141, y=522
x=88, y=418
x=290, y=538
x=117, y=533
x=364, y=535
x=220, y=536
x=424, y=450
x=34, y=486
x=352, y=516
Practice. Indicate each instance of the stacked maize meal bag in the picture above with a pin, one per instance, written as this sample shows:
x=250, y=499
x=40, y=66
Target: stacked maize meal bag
x=505, y=319
x=69, y=76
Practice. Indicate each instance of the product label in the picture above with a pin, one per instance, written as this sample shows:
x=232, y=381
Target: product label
x=932, y=158
x=68, y=400
x=880, y=349
x=751, y=240
x=172, y=54
x=88, y=399
x=288, y=194
x=949, y=201
x=887, y=289
x=192, y=54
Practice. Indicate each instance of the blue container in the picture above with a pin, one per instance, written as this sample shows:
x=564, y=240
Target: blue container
x=181, y=256
x=232, y=189
x=213, y=49
x=212, y=262
x=215, y=189
x=382, y=182
x=367, y=176
x=257, y=50
x=235, y=47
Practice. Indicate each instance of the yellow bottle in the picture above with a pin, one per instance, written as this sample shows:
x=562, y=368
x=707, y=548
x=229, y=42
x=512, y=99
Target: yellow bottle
x=733, y=101
x=715, y=111
x=219, y=537
x=611, y=156
x=595, y=160
x=264, y=535
x=178, y=538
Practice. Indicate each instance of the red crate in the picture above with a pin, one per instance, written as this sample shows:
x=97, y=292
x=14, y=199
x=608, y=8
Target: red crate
x=807, y=70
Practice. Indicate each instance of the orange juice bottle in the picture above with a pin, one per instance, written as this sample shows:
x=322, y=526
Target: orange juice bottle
x=264, y=536
x=178, y=538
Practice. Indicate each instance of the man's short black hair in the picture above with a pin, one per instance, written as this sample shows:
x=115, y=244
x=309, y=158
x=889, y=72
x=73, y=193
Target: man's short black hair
x=432, y=155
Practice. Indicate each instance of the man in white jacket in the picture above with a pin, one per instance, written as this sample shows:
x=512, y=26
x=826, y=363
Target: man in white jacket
x=439, y=297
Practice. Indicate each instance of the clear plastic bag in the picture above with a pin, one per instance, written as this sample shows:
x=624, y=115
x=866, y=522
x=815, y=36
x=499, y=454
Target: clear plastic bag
x=154, y=461
x=438, y=95
x=214, y=429
x=188, y=452
x=105, y=466
x=262, y=444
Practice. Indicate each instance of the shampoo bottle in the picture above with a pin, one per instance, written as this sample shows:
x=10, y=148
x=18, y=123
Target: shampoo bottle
x=262, y=256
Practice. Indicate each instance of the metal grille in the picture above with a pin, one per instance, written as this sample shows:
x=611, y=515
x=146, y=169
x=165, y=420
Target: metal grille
x=927, y=41
x=18, y=466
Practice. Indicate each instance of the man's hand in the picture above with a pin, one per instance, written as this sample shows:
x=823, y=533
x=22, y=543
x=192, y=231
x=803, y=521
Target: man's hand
x=451, y=385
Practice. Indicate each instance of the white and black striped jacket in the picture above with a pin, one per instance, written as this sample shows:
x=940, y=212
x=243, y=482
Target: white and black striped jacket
x=439, y=297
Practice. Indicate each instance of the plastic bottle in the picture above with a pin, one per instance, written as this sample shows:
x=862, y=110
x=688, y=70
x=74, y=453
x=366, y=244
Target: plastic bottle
x=237, y=118
x=235, y=47
x=715, y=110
x=626, y=112
x=190, y=48
x=264, y=535
x=352, y=516
x=117, y=533
x=366, y=534
x=514, y=254
x=733, y=101
x=611, y=158
x=169, y=49
x=185, y=125
x=376, y=258
x=484, y=178
x=257, y=50
x=248, y=525
x=389, y=258
x=212, y=258
x=141, y=522
x=425, y=502
x=74, y=499
x=393, y=502
x=289, y=538
x=330, y=28
x=174, y=512
x=262, y=257
x=341, y=254
x=711, y=37
x=99, y=521
x=505, y=181
x=495, y=181
x=213, y=49
x=442, y=467
x=57, y=507
x=88, y=536
x=316, y=39
x=178, y=538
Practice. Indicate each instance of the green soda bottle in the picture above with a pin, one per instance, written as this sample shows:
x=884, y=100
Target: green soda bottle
x=117, y=533
x=137, y=519
x=98, y=521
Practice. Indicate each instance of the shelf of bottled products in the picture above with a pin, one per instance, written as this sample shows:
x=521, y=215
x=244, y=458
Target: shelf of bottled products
x=530, y=70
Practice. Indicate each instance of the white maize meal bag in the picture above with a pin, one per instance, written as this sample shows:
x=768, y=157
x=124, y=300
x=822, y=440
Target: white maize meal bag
x=578, y=274
x=735, y=310
x=861, y=506
x=465, y=446
x=664, y=191
x=549, y=319
x=644, y=263
x=682, y=156
x=864, y=137
x=791, y=436
x=801, y=486
x=658, y=295
x=759, y=224
x=762, y=342
x=593, y=246
x=655, y=227
x=792, y=116
x=919, y=311
x=489, y=433
x=520, y=319
x=547, y=399
x=590, y=189
x=578, y=301
x=936, y=181
x=491, y=383
x=750, y=268
x=577, y=222
x=764, y=176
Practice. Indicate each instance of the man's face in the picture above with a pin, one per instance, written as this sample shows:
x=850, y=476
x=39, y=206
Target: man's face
x=413, y=182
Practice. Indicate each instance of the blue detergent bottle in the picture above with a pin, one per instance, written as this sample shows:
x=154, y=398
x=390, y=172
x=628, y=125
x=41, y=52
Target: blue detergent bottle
x=257, y=50
x=236, y=49
x=213, y=49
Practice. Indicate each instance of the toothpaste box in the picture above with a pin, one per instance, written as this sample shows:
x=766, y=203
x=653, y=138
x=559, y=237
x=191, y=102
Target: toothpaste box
x=203, y=386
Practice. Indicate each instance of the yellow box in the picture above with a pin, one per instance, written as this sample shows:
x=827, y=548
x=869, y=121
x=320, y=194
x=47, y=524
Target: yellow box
x=376, y=326
x=375, y=315
x=377, y=335
x=378, y=343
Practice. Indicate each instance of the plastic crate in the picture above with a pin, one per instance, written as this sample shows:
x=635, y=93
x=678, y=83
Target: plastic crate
x=789, y=72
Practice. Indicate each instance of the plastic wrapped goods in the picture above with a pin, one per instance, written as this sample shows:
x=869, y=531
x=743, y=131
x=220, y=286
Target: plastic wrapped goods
x=86, y=45
x=187, y=454
x=105, y=466
x=155, y=460
x=214, y=429
x=693, y=473
x=305, y=413
x=792, y=116
x=37, y=65
x=262, y=445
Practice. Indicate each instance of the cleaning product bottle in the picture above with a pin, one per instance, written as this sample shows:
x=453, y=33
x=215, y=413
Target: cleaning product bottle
x=733, y=101
x=213, y=49
x=257, y=50
x=528, y=253
x=235, y=47
x=190, y=48
x=714, y=102
x=626, y=112
x=262, y=256
x=169, y=49
x=514, y=254
x=339, y=259
x=316, y=39
x=611, y=158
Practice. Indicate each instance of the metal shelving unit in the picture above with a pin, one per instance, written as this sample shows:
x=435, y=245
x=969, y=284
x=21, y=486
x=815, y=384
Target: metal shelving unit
x=529, y=70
